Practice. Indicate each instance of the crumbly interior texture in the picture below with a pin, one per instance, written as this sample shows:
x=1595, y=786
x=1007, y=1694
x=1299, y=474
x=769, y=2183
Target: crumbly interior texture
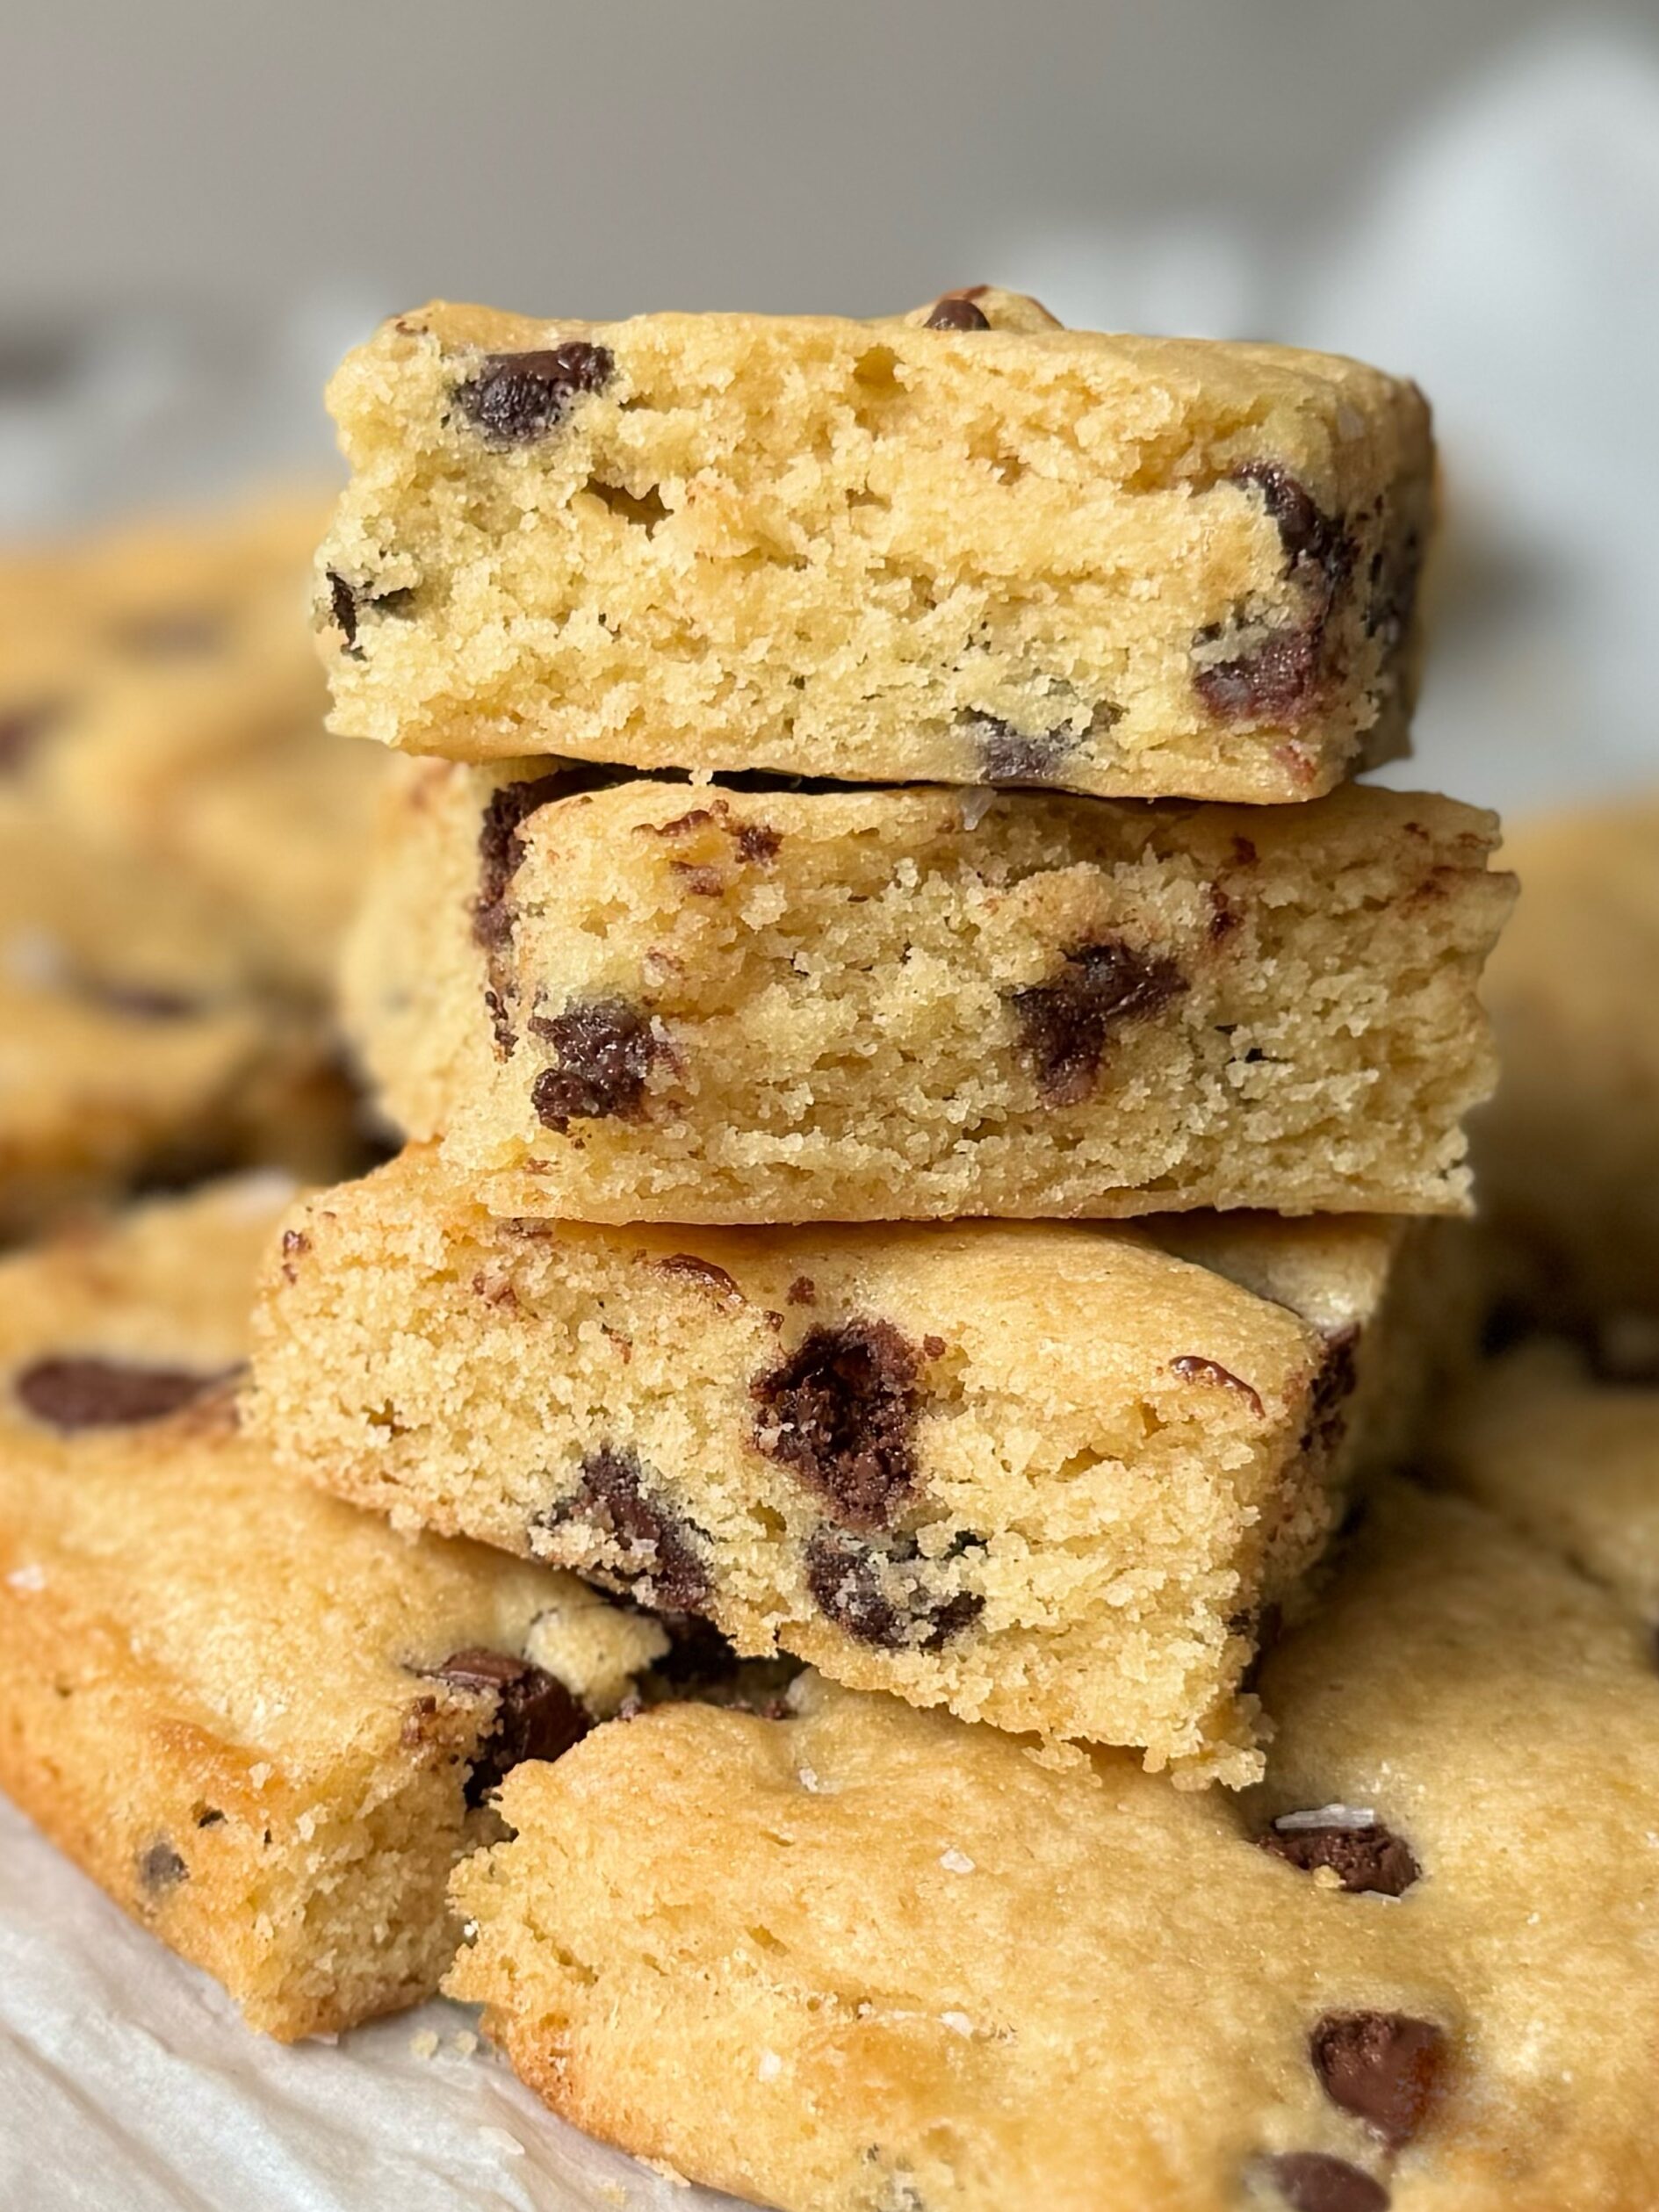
x=882, y=551
x=235, y=1702
x=650, y=1001
x=1568, y=1150
x=135, y=1039
x=1049, y=1475
x=1569, y=1457
x=896, y=1961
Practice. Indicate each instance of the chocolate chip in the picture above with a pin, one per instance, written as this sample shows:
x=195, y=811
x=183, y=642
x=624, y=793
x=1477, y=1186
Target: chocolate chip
x=210, y=1816
x=161, y=1868
x=1007, y=755
x=605, y=1050
x=1279, y=675
x=1065, y=1024
x=1333, y=1387
x=704, y=1273
x=649, y=1550
x=1310, y=2181
x=20, y=729
x=758, y=842
x=803, y=1290
x=295, y=1245
x=1369, y=1861
x=1313, y=541
x=500, y=853
x=1383, y=2067
x=880, y=1597
x=89, y=1393
x=535, y=1715
x=346, y=602
x=1192, y=1366
x=1275, y=679
x=517, y=397
x=841, y=1413
x=955, y=311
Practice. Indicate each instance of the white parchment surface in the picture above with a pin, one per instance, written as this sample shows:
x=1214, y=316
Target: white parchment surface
x=129, y=2083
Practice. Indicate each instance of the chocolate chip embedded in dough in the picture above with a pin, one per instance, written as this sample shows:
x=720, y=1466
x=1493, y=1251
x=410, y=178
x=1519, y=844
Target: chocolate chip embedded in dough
x=161, y=1868
x=347, y=602
x=758, y=842
x=881, y=1597
x=87, y=1392
x=1311, y=2181
x=1007, y=755
x=704, y=1274
x=839, y=1412
x=515, y=398
x=955, y=311
x=1371, y=1860
x=605, y=1049
x=1065, y=1024
x=1383, y=2067
x=1193, y=1368
x=646, y=1549
x=535, y=1715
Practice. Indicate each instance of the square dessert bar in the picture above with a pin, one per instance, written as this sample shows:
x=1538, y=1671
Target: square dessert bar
x=893, y=1961
x=656, y=1001
x=961, y=546
x=1051, y=1476
x=263, y=1722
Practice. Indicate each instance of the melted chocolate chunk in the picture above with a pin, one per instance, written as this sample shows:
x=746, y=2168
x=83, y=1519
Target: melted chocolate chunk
x=704, y=1273
x=1008, y=756
x=879, y=1597
x=1333, y=1387
x=758, y=842
x=1280, y=675
x=1192, y=1366
x=501, y=852
x=802, y=1292
x=535, y=1715
x=161, y=1868
x=1318, y=548
x=1277, y=679
x=517, y=397
x=841, y=1413
x=605, y=1050
x=89, y=1392
x=655, y=1552
x=955, y=311
x=346, y=602
x=1309, y=2181
x=1383, y=2067
x=1366, y=1861
x=1065, y=1024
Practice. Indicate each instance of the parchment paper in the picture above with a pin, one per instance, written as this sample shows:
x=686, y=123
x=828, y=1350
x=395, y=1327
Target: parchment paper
x=129, y=2083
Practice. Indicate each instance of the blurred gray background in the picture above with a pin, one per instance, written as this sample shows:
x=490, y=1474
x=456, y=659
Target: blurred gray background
x=203, y=203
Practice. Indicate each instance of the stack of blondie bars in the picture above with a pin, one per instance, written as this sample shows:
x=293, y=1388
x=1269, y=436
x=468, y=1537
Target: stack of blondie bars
x=894, y=1323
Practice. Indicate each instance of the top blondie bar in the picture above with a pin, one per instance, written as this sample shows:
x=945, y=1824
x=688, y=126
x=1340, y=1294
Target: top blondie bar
x=960, y=545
